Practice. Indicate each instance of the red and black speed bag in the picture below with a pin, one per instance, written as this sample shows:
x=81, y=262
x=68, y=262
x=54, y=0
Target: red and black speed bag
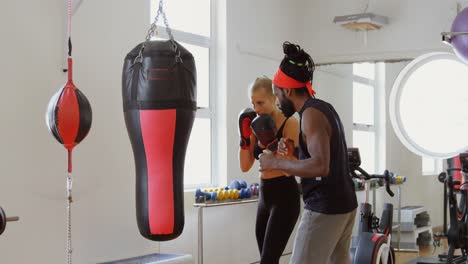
x=69, y=114
x=159, y=101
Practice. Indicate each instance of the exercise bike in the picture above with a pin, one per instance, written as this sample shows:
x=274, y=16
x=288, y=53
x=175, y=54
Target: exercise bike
x=457, y=199
x=374, y=237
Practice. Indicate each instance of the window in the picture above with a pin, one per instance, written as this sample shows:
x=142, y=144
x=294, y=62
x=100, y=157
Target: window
x=190, y=22
x=428, y=106
x=366, y=115
x=431, y=166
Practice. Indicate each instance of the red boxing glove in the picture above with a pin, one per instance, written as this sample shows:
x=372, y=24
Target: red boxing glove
x=245, y=118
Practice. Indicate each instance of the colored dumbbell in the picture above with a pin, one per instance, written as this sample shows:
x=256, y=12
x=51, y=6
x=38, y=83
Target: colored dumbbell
x=230, y=193
x=241, y=194
x=245, y=193
x=207, y=196
x=221, y=195
x=234, y=185
x=398, y=179
x=243, y=184
x=255, y=187
x=235, y=194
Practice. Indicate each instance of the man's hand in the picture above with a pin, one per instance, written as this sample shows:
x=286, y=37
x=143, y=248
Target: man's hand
x=267, y=160
x=286, y=148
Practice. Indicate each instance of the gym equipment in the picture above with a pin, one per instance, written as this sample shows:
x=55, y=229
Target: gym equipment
x=204, y=196
x=255, y=189
x=243, y=184
x=159, y=101
x=374, y=236
x=237, y=184
x=245, y=119
x=458, y=37
x=264, y=128
x=457, y=202
x=220, y=194
x=69, y=118
x=4, y=219
x=234, y=185
x=397, y=179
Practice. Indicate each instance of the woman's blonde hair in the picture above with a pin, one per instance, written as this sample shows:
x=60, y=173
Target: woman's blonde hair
x=261, y=82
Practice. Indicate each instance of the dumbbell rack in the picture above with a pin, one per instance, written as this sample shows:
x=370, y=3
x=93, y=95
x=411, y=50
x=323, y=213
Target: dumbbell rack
x=200, y=207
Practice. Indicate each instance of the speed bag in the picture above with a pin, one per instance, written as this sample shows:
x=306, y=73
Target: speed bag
x=159, y=102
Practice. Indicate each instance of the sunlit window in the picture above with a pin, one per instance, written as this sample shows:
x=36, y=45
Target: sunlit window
x=365, y=113
x=190, y=22
x=428, y=106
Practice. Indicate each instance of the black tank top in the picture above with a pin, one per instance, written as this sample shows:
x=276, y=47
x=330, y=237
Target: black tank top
x=279, y=134
x=333, y=194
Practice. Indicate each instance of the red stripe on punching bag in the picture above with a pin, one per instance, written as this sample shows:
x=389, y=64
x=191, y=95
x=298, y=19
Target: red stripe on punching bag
x=457, y=174
x=158, y=132
x=68, y=115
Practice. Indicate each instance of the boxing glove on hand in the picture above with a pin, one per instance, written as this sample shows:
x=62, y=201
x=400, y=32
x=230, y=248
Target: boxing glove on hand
x=245, y=118
x=264, y=128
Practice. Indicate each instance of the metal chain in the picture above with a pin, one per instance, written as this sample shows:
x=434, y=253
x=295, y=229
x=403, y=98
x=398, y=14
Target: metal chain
x=154, y=25
x=69, y=202
x=153, y=29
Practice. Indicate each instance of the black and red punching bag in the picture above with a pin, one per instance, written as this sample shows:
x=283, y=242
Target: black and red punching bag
x=159, y=101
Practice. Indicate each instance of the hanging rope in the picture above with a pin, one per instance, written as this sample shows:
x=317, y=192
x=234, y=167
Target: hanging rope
x=69, y=175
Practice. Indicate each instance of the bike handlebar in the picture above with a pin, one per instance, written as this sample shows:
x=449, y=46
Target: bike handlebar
x=367, y=176
x=354, y=162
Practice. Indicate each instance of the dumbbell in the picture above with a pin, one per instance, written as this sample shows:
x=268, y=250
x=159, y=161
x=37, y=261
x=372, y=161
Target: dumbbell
x=235, y=184
x=243, y=184
x=4, y=219
x=398, y=179
x=245, y=193
x=201, y=196
x=254, y=188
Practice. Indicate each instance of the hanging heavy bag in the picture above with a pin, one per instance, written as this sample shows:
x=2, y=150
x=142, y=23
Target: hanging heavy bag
x=159, y=101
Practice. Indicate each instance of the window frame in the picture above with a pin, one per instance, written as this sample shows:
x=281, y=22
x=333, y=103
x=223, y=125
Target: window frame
x=202, y=112
x=437, y=166
x=378, y=128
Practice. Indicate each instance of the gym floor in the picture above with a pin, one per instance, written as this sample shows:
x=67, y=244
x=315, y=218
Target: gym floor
x=404, y=257
x=427, y=251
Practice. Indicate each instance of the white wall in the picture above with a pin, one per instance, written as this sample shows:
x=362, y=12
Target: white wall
x=414, y=28
x=34, y=164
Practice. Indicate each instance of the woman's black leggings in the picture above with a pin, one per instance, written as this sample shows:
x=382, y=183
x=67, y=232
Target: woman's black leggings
x=277, y=213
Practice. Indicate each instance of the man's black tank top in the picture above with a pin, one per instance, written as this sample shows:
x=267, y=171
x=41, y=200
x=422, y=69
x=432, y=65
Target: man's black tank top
x=333, y=194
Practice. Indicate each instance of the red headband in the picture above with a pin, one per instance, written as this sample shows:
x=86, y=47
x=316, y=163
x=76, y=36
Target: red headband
x=282, y=80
